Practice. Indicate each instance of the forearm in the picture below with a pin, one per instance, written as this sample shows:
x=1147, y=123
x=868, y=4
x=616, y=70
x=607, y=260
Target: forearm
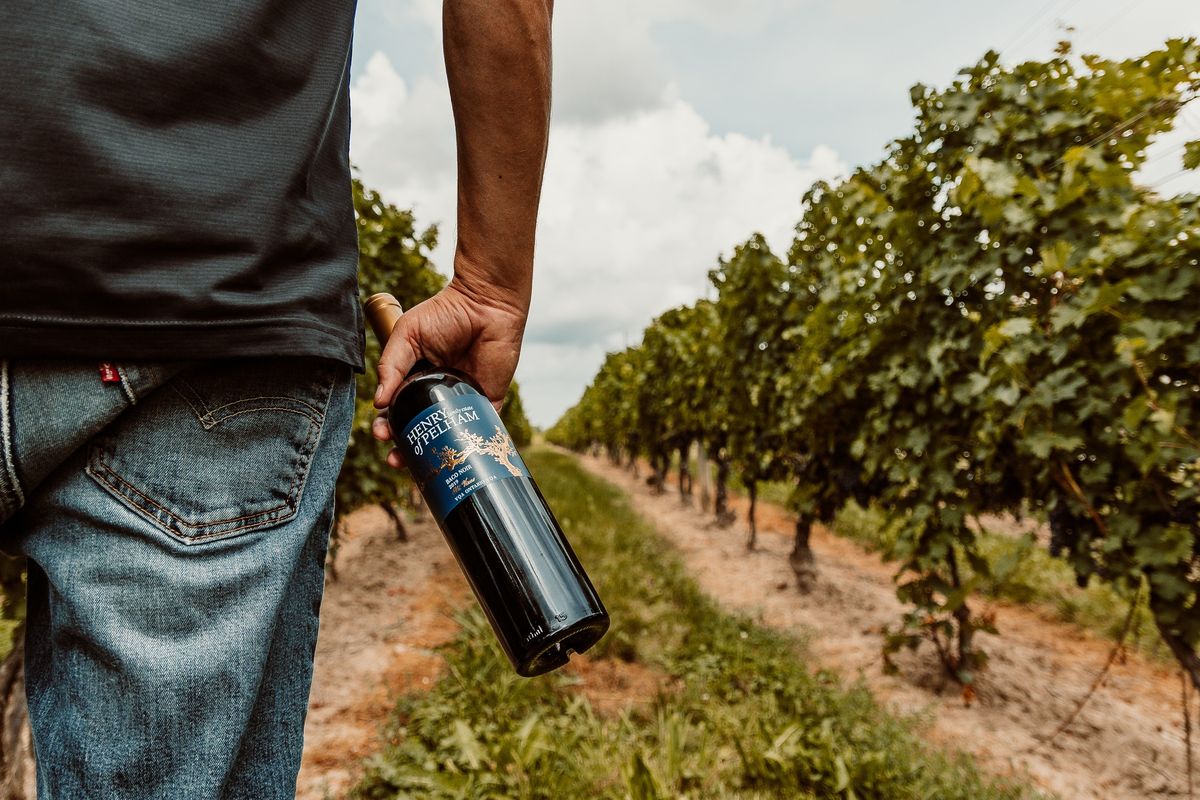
x=498, y=64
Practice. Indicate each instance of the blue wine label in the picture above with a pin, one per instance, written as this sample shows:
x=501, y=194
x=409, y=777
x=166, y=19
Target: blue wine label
x=455, y=448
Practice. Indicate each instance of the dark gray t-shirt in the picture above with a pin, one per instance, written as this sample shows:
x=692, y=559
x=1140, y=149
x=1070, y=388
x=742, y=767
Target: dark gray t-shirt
x=174, y=179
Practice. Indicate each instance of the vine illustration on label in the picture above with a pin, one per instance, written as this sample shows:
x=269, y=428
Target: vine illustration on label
x=500, y=447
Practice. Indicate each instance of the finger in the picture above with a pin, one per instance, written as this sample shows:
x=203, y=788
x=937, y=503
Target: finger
x=395, y=362
x=394, y=460
x=499, y=394
x=492, y=389
x=381, y=429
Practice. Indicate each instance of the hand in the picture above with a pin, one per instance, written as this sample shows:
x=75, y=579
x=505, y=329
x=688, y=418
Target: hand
x=456, y=328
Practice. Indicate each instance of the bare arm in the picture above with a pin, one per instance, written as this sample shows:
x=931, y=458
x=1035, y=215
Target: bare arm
x=498, y=64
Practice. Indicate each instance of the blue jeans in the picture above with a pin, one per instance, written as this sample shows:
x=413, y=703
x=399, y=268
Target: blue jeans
x=175, y=523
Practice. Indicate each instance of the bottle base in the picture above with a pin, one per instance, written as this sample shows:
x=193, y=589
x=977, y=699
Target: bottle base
x=555, y=650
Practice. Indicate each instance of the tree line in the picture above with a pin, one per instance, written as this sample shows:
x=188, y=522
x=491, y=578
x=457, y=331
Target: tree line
x=993, y=318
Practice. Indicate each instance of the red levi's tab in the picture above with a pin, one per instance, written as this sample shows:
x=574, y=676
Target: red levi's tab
x=108, y=373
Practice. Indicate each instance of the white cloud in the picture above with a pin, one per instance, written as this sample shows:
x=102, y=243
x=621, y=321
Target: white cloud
x=635, y=209
x=402, y=141
x=604, y=66
x=427, y=11
x=606, y=62
x=634, y=213
x=1163, y=170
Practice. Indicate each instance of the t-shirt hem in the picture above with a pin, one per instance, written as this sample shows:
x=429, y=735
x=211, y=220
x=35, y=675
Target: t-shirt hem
x=180, y=342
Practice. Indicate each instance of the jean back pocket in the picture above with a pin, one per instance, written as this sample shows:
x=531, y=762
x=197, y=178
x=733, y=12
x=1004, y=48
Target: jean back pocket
x=223, y=449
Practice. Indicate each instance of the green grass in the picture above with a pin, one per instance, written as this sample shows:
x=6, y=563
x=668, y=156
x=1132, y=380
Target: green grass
x=777, y=492
x=744, y=717
x=1035, y=578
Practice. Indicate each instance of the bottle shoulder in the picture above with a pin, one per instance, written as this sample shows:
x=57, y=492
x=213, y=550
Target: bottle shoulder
x=426, y=387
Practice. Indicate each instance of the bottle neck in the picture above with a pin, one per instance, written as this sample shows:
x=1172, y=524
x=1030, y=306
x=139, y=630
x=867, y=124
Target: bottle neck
x=383, y=311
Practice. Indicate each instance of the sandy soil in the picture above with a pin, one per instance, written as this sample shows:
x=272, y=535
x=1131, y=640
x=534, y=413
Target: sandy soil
x=1127, y=743
x=390, y=606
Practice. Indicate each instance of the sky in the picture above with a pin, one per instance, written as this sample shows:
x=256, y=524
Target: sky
x=680, y=127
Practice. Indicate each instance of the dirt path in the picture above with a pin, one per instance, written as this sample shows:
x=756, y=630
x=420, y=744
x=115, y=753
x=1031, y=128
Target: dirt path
x=1127, y=743
x=391, y=604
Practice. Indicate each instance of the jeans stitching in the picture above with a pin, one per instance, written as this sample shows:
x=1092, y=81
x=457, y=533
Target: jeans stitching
x=316, y=411
x=125, y=385
x=207, y=417
x=154, y=515
x=217, y=420
x=12, y=484
x=191, y=398
x=309, y=447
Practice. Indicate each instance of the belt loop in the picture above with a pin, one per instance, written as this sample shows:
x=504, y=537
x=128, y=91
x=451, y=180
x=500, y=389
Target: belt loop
x=11, y=496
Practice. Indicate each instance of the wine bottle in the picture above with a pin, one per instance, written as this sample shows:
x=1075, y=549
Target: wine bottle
x=535, y=593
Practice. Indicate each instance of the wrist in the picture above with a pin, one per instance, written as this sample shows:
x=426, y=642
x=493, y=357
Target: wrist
x=493, y=288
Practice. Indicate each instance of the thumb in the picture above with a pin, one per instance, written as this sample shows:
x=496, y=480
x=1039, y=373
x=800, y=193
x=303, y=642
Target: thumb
x=397, y=359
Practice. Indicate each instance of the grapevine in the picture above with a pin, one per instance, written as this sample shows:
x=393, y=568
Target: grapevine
x=995, y=317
